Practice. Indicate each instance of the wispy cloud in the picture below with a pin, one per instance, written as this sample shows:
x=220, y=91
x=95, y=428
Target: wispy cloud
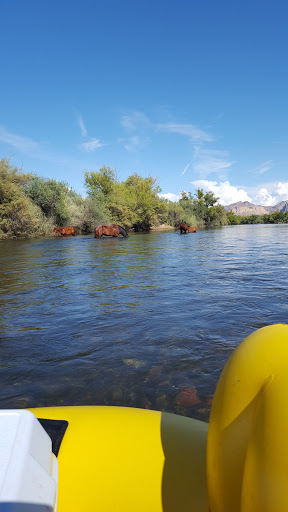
x=266, y=166
x=136, y=125
x=139, y=128
x=91, y=145
x=82, y=126
x=207, y=161
x=18, y=142
x=135, y=142
x=191, y=131
x=135, y=121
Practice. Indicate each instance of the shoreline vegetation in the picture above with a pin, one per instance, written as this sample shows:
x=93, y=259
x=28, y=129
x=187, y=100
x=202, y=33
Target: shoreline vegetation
x=31, y=206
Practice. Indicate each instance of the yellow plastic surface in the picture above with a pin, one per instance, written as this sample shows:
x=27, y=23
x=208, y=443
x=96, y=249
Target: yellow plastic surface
x=130, y=460
x=247, y=453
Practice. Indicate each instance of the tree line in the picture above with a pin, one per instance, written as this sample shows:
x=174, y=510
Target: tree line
x=31, y=205
x=267, y=218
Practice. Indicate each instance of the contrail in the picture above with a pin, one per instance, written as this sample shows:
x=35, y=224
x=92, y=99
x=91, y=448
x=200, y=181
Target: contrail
x=185, y=169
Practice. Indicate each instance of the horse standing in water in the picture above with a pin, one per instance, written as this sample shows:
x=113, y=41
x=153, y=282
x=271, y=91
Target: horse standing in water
x=64, y=231
x=113, y=230
x=184, y=227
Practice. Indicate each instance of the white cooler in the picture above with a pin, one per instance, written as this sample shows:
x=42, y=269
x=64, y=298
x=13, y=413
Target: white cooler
x=28, y=468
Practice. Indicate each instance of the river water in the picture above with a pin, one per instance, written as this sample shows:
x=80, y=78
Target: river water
x=147, y=321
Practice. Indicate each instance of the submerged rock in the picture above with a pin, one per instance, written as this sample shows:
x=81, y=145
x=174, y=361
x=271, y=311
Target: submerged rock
x=187, y=397
x=135, y=363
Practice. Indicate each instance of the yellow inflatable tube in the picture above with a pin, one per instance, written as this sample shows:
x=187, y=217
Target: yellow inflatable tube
x=247, y=453
x=133, y=460
x=130, y=460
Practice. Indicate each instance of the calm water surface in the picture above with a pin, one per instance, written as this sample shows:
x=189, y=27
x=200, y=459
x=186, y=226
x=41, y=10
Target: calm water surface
x=147, y=321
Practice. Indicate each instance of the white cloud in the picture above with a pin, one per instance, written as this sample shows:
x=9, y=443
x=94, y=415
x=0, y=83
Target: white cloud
x=82, y=126
x=207, y=161
x=134, y=143
x=170, y=196
x=263, y=198
x=227, y=193
x=281, y=190
x=266, y=166
x=136, y=125
x=134, y=121
x=269, y=194
x=138, y=121
x=19, y=142
x=91, y=145
x=194, y=133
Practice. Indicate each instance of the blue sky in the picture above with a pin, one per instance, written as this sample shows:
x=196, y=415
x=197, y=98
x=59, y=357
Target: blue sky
x=192, y=93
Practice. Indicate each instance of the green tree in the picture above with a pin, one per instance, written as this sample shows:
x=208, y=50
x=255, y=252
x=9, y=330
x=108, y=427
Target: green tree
x=251, y=219
x=266, y=218
x=204, y=207
x=209, y=199
x=186, y=200
x=120, y=206
x=174, y=214
x=50, y=195
x=216, y=216
x=277, y=217
x=135, y=203
x=232, y=218
x=198, y=204
x=18, y=215
x=95, y=212
x=102, y=181
x=143, y=201
x=188, y=210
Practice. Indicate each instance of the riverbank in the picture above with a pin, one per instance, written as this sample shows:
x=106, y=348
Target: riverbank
x=162, y=227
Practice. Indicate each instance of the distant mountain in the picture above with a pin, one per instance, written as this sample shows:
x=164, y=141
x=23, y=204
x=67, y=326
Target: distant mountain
x=281, y=207
x=244, y=208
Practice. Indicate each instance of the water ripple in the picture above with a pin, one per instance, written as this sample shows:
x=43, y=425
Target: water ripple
x=136, y=322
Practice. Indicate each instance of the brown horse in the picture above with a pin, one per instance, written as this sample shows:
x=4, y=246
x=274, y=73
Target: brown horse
x=184, y=227
x=64, y=231
x=113, y=230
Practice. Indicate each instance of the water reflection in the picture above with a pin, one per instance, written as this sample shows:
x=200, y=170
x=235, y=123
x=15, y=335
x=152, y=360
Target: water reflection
x=147, y=321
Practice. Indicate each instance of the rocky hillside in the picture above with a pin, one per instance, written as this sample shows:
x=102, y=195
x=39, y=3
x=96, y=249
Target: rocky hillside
x=245, y=208
x=281, y=207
